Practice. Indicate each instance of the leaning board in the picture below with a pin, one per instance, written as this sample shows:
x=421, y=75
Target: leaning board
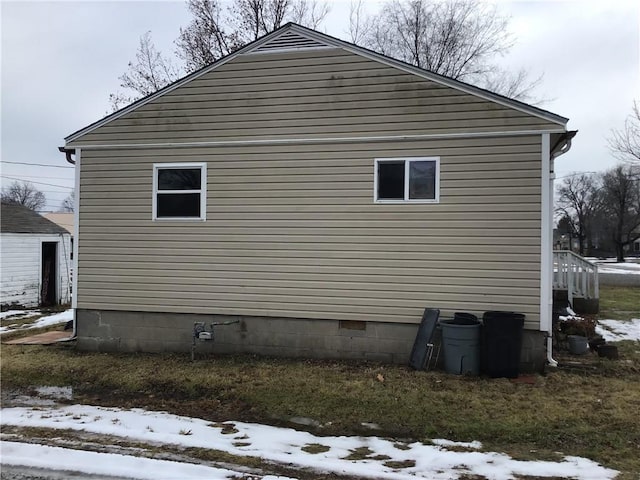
x=420, y=349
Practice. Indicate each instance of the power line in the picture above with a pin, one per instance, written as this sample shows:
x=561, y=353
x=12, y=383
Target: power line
x=575, y=174
x=46, y=176
x=39, y=183
x=38, y=164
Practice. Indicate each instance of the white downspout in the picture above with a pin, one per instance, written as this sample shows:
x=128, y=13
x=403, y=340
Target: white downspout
x=76, y=241
x=76, y=227
x=546, y=250
x=546, y=270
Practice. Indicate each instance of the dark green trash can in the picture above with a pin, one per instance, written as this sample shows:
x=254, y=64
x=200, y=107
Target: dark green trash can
x=461, y=344
x=501, y=343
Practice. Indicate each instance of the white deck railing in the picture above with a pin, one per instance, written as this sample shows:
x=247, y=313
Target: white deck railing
x=576, y=275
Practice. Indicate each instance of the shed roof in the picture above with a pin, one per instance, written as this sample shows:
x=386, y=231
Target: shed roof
x=19, y=219
x=296, y=37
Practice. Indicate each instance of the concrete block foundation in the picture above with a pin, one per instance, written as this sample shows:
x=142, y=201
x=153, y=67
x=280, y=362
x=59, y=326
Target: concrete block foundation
x=126, y=331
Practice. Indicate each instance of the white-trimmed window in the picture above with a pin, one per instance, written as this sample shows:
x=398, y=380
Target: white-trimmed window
x=179, y=191
x=413, y=179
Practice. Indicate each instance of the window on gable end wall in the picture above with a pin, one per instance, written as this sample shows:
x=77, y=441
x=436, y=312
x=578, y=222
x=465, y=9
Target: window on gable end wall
x=411, y=179
x=179, y=191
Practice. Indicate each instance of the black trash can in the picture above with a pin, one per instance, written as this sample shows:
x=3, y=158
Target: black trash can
x=464, y=318
x=501, y=343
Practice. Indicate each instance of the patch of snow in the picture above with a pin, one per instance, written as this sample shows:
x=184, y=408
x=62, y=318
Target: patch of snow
x=618, y=330
x=56, y=318
x=61, y=393
x=19, y=314
x=619, y=271
x=56, y=458
x=62, y=317
x=371, y=425
x=450, y=443
x=629, y=268
x=285, y=445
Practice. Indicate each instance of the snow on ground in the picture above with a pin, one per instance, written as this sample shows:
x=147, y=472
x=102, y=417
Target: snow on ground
x=62, y=317
x=284, y=445
x=611, y=266
x=18, y=314
x=111, y=464
x=617, y=330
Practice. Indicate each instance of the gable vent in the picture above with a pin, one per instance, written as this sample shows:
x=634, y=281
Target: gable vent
x=289, y=41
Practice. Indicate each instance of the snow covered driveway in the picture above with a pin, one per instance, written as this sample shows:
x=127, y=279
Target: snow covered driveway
x=379, y=458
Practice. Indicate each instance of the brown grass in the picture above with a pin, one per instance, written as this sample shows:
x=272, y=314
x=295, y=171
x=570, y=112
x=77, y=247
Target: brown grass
x=585, y=412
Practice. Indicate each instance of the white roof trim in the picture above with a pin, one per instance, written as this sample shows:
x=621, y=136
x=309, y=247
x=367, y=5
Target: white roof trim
x=319, y=140
x=316, y=40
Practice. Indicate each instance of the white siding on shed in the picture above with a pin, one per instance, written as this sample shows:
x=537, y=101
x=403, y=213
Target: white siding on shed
x=20, y=256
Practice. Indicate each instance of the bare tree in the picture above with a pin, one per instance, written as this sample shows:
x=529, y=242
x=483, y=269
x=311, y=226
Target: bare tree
x=458, y=39
x=621, y=206
x=455, y=38
x=208, y=36
x=578, y=202
x=150, y=72
x=24, y=193
x=360, y=23
x=518, y=85
x=625, y=143
x=310, y=13
x=252, y=19
x=69, y=203
x=213, y=32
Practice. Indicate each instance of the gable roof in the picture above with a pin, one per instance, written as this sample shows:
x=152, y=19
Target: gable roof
x=65, y=220
x=20, y=219
x=292, y=37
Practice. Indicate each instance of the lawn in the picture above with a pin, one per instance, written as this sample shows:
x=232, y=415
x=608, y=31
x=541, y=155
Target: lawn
x=591, y=412
x=620, y=303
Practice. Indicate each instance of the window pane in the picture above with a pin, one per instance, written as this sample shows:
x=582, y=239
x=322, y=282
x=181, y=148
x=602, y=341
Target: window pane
x=179, y=179
x=422, y=180
x=391, y=180
x=178, y=205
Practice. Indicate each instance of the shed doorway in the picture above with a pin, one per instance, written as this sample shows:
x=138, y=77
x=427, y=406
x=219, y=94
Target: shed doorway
x=49, y=274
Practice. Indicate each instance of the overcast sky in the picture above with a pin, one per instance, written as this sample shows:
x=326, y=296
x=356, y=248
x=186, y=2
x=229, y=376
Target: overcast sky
x=60, y=61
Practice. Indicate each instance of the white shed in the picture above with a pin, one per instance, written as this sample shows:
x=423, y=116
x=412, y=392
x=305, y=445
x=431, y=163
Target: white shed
x=35, y=259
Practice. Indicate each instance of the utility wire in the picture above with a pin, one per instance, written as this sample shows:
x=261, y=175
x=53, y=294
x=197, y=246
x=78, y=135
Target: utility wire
x=39, y=183
x=575, y=174
x=37, y=164
x=44, y=176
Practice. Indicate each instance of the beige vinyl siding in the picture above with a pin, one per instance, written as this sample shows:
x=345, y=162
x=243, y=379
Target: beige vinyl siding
x=292, y=231
x=309, y=94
